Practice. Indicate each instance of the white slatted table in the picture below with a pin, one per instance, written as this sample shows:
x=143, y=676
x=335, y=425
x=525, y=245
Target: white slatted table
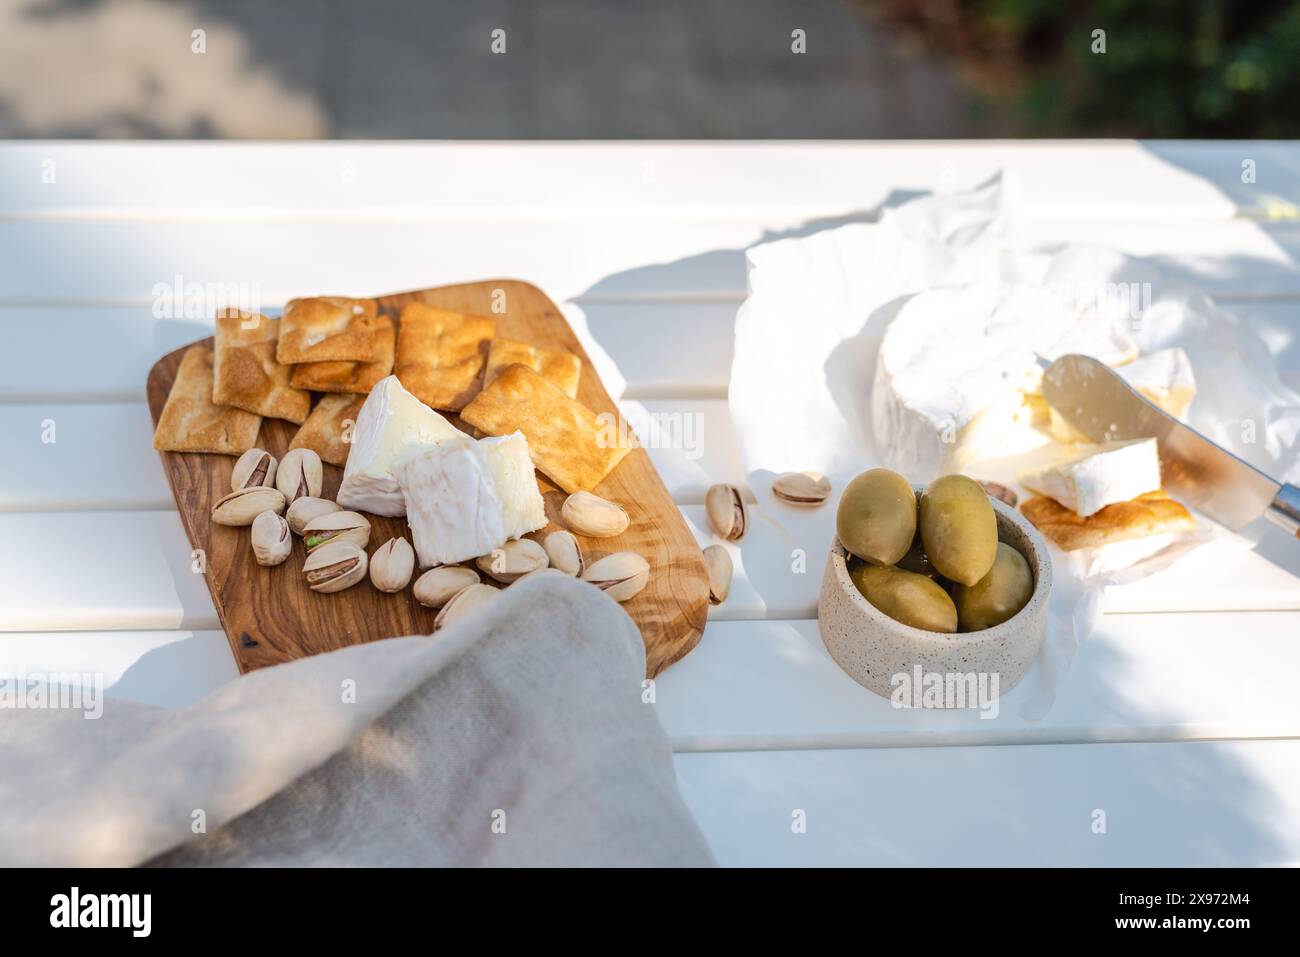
x=1179, y=718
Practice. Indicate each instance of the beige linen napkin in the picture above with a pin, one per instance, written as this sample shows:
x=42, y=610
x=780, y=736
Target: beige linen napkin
x=518, y=736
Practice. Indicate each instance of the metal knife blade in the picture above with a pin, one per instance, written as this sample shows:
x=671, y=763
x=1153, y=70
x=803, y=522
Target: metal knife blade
x=1099, y=403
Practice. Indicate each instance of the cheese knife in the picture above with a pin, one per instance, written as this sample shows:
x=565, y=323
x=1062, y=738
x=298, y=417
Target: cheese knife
x=1097, y=401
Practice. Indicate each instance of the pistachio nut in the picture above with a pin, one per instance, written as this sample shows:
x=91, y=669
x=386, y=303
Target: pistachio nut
x=334, y=567
x=441, y=583
x=1001, y=493
x=564, y=553
x=271, y=540
x=300, y=474
x=240, y=508
x=305, y=509
x=254, y=467
x=620, y=575
x=593, y=516
x=336, y=527
x=392, y=564
x=462, y=603
x=514, y=558
x=726, y=511
x=717, y=561
x=801, y=488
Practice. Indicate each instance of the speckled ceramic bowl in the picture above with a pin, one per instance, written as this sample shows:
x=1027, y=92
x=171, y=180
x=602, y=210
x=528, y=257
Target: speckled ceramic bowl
x=872, y=648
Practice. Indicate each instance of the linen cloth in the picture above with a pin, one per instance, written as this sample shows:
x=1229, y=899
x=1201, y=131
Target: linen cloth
x=517, y=736
x=806, y=348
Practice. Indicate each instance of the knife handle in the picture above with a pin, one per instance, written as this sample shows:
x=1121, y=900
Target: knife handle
x=1285, y=510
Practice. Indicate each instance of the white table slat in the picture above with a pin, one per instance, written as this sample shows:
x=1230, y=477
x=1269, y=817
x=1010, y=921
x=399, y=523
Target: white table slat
x=102, y=459
x=41, y=591
x=1213, y=803
x=95, y=571
x=690, y=359
x=1225, y=574
x=170, y=669
x=1138, y=678
x=124, y=262
x=373, y=180
x=117, y=345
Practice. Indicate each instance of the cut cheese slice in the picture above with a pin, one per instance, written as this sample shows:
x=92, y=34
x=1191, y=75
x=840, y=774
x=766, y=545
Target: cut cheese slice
x=452, y=504
x=391, y=421
x=511, y=468
x=465, y=499
x=1101, y=476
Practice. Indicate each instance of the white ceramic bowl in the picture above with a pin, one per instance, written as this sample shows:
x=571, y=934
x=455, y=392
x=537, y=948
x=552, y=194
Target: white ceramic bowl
x=873, y=648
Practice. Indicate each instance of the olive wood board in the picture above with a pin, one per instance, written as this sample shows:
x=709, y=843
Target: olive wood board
x=270, y=616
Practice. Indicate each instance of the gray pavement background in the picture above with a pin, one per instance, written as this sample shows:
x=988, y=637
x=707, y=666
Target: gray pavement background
x=409, y=69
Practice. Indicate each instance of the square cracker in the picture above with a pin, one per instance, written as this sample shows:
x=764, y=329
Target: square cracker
x=354, y=377
x=191, y=422
x=1154, y=513
x=329, y=329
x=561, y=369
x=247, y=375
x=440, y=354
x=328, y=430
x=566, y=439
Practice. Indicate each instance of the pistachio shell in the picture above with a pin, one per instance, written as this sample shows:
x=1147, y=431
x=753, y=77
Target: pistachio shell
x=1001, y=493
x=593, y=516
x=305, y=509
x=392, y=565
x=564, y=552
x=801, y=488
x=717, y=560
x=726, y=511
x=513, y=559
x=240, y=508
x=336, y=527
x=300, y=474
x=620, y=575
x=270, y=538
x=254, y=467
x=334, y=567
x=462, y=603
x=440, y=585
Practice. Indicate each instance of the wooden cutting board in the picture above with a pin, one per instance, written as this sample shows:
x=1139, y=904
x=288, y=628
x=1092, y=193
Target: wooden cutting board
x=271, y=616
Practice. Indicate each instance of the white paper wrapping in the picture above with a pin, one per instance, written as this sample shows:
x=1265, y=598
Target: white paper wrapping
x=808, y=335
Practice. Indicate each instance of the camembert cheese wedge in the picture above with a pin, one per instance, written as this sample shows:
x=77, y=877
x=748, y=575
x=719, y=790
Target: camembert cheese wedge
x=465, y=499
x=390, y=421
x=1105, y=474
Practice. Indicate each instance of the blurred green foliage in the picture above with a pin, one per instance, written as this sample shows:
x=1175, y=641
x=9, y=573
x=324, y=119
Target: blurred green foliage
x=1171, y=68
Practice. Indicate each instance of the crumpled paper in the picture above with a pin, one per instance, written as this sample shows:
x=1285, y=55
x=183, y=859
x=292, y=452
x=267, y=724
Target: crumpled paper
x=808, y=335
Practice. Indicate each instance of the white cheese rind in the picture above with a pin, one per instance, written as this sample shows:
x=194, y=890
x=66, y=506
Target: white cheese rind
x=511, y=467
x=956, y=365
x=390, y=421
x=1104, y=475
x=950, y=372
x=452, y=504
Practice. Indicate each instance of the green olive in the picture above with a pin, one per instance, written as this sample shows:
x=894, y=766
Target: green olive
x=997, y=596
x=906, y=597
x=959, y=529
x=877, y=516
